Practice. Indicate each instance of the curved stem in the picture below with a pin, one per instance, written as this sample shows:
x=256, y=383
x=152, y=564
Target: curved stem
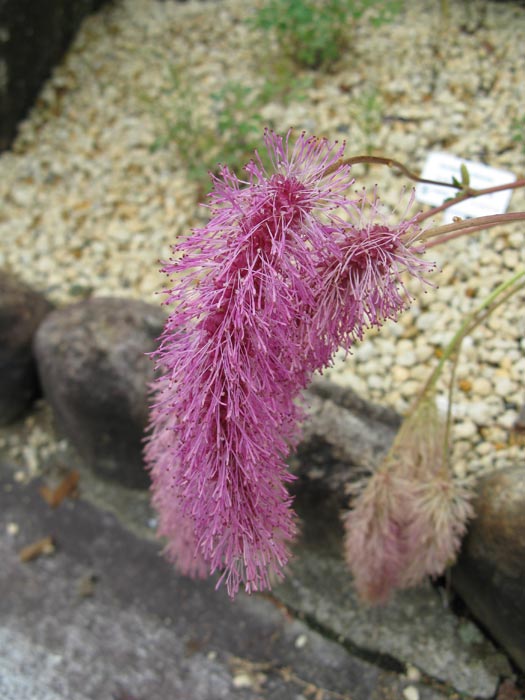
x=391, y=163
x=448, y=423
x=471, y=321
x=471, y=225
x=462, y=191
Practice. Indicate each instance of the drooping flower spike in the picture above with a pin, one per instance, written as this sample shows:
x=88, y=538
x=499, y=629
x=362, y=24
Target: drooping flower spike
x=363, y=284
x=253, y=317
x=409, y=517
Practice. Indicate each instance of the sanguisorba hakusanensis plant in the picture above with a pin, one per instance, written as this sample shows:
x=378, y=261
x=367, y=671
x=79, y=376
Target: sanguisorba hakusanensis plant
x=288, y=269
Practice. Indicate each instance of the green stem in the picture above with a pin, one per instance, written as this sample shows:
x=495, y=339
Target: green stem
x=471, y=321
x=448, y=424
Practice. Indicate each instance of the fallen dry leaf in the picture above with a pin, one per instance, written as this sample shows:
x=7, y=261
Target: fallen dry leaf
x=86, y=585
x=32, y=551
x=67, y=487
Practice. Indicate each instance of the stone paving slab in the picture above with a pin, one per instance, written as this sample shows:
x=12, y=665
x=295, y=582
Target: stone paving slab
x=144, y=633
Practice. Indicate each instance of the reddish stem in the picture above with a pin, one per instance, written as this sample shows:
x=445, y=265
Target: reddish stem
x=458, y=228
x=466, y=195
x=463, y=192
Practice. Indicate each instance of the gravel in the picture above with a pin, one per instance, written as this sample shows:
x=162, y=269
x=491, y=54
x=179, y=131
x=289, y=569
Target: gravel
x=89, y=208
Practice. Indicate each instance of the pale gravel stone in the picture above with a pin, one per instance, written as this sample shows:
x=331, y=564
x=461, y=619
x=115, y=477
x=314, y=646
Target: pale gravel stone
x=411, y=693
x=465, y=430
x=375, y=381
x=428, y=320
x=407, y=358
x=400, y=374
x=504, y=386
x=482, y=387
x=481, y=412
x=496, y=435
x=483, y=448
x=507, y=419
x=413, y=674
x=364, y=352
x=301, y=641
x=410, y=388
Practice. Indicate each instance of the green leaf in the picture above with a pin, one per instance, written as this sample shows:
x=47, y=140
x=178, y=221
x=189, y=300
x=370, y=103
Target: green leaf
x=465, y=177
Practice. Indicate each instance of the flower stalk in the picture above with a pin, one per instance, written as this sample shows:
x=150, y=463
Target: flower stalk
x=498, y=296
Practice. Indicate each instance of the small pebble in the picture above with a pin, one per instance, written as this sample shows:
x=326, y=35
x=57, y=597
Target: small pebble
x=407, y=358
x=504, y=386
x=464, y=430
x=411, y=693
x=301, y=641
x=242, y=680
x=508, y=419
x=481, y=386
x=12, y=529
x=413, y=673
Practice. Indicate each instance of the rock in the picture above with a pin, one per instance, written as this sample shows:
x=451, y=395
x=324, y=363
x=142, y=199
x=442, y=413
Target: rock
x=33, y=37
x=21, y=311
x=94, y=372
x=343, y=436
x=490, y=571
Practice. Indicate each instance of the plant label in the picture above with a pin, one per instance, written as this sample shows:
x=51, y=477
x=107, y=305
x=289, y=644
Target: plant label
x=448, y=168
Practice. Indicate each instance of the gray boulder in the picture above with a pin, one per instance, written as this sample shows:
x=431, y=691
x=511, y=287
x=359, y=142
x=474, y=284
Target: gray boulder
x=95, y=374
x=21, y=311
x=490, y=573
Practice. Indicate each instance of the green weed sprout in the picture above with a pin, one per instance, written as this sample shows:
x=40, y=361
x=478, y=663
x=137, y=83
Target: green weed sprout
x=315, y=33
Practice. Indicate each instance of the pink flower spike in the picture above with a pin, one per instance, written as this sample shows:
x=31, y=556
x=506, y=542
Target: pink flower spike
x=376, y=548
x=364, y=284
x=407, y=522
x=233, y=361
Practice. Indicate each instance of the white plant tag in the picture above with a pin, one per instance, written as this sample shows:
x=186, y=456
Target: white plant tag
x=443, y=166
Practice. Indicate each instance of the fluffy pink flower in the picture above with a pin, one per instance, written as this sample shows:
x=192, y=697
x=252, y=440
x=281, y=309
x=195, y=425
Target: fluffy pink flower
x=253, y=318
x=376, y=548
x=408, y=520
x=363, y=283
x=441, y=509
x=224, y=418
